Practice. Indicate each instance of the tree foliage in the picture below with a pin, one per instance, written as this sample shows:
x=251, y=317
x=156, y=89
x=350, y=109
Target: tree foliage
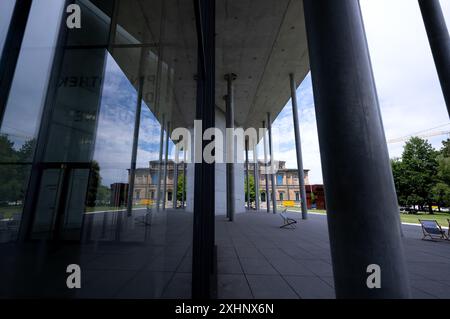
x=14, y=169
x=180, y=183
x=251, y=181
x=422, y=174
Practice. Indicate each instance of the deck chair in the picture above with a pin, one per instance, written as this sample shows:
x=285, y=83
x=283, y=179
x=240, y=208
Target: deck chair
x=432, y=229
x=287, y=222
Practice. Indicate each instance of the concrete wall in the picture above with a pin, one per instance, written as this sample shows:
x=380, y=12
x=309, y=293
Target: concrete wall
x=220, y=178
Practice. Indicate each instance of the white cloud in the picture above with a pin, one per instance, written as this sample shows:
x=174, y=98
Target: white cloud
x=408, y=88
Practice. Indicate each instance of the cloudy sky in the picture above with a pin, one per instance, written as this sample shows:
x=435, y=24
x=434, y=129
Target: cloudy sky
x=410, y=96
x=408, y=88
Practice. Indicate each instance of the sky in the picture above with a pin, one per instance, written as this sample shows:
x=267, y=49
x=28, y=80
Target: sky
x=409, y=92
x=408, y=88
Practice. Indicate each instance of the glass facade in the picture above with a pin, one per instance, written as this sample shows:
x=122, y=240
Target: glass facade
x=6, y=11
x=85, y=149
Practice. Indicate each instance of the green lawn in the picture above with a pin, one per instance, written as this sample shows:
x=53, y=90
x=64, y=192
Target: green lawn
x=8, y=211
x=441, y=218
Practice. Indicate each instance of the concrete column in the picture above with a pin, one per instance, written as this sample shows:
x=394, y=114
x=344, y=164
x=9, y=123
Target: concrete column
x=256, y=175
x=175, y=178
x=166, y=159
x=265, y=169
x=247, y=174
x=439, y=42
x=161, y=144
x=298, y=147
x=230, y=145
x=363, y=215
x=272, y=175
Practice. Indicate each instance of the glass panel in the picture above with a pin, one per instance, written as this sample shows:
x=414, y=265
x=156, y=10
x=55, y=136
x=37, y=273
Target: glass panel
x=47, y=205
x=13, y=181
x=88, y=95
x=18, y=131
x=6, y=10
x=26, y=99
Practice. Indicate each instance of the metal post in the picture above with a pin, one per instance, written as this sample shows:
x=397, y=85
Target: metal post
x=439, y=42
x=272, y=173
x=256, y=175
x=183, y=195
x=175, y=178
x=363, y=223
x=247, y=174
x=229, y=114
x=265, y=168
x=161, y=144
x=166, y=159
x=137, y=125
x=298, y=148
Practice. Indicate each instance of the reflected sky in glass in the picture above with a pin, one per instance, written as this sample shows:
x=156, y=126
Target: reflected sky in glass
x=114, y=141
x=6, y=9
x=29, y=88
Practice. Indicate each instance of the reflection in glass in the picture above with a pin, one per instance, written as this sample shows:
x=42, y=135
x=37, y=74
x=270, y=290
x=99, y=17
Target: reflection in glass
x=77, y=126
x=13, y=181
x=19, y=129
x=6, y=10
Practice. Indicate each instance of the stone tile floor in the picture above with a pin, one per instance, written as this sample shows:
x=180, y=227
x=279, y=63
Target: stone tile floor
x=257, y=259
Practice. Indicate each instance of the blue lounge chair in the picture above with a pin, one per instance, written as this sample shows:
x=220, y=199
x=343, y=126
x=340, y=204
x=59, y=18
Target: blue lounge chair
x=432, y=229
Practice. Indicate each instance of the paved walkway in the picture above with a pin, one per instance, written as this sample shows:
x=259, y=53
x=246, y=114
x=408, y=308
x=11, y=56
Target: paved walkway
x=257, y=259
x=127, y=258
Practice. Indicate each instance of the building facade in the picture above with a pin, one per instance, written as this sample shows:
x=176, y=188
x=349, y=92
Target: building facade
x=287, y=186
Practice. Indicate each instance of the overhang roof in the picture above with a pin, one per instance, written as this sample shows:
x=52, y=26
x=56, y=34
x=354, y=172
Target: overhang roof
x=261, y=41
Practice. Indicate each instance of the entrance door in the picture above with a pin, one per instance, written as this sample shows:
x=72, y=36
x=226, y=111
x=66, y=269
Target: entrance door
x=60, y=205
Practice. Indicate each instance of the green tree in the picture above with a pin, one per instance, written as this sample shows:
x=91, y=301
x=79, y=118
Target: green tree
x=25, y=154
x=441, y=190
x=251, y=181
x=95, y=181
x=443, y=162
x=180, y=187
x=445, y=150
x=441, y=195
x=313, y=198
x=398, y=171
x=10, y=181
x=415, y=173
x=103, y=195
